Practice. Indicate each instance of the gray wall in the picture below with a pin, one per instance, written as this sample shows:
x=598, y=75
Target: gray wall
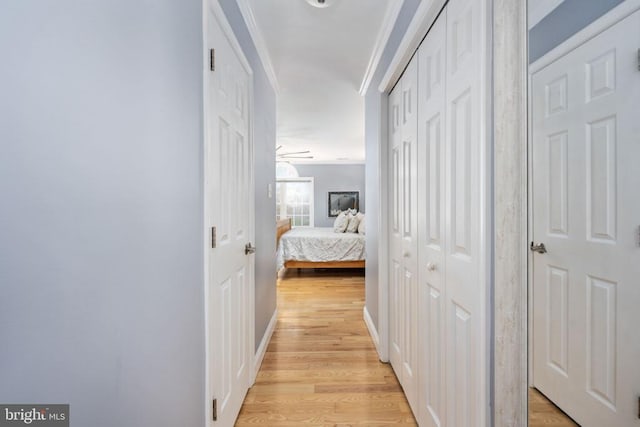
x=373, y=137
x=566, y=20
x=265, y=173
x=333, y=178
x=101, y=266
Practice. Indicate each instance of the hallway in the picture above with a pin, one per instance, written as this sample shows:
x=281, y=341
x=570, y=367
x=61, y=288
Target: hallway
x=321, y=367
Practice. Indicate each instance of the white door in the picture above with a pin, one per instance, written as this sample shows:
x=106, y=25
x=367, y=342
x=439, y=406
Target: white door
x=586, y=290
x=431, y=224
x=228, y=174
x=465, y=212
x=396, y=291
x=404, y=236
x=409, y=231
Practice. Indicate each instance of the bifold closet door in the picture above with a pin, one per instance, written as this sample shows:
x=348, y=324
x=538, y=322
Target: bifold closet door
x=466, y=285
x=404, y=236
x=452, y=155
x=431, y=224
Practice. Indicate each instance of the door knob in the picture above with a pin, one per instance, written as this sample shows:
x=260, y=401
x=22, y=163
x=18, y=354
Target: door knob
x=538, y=248
x=431, y=266
x=406, y=254
x=248, y=249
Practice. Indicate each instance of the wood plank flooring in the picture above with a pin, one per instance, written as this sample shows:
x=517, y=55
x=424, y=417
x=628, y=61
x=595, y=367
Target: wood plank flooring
x=321, y=368
x=543, y=413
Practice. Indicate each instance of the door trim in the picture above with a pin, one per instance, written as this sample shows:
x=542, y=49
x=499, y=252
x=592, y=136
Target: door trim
x=218, y=12
x=509, y=308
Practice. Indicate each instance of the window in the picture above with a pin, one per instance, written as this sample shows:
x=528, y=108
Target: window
x=294, y=199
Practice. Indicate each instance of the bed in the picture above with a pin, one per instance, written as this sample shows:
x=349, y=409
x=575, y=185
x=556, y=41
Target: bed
x=318, y=247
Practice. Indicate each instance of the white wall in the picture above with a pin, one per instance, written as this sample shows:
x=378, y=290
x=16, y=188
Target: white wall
x=101, y=209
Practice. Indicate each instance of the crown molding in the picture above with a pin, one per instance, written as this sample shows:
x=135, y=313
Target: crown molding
x=388, y=22
x=425, y=16
x=258, y=41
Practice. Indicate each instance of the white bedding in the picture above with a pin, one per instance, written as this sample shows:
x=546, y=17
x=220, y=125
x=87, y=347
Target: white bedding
x=319, y=244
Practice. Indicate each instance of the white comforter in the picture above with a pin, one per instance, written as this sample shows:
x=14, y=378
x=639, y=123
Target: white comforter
x=320, y=245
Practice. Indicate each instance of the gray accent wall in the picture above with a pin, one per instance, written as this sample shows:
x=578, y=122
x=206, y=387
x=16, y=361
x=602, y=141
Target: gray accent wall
x=264, y=134
x=333, y=178
x=374, y=128
x=563, y=22
x=101, y=212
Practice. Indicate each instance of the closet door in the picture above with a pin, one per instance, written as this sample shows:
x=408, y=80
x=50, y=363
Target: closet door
x=396, y=295
x=409, y=232
x=431, y=224
x=404, y=237
x=465, y=284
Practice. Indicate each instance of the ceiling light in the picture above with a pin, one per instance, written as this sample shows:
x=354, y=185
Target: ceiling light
x=321, y=3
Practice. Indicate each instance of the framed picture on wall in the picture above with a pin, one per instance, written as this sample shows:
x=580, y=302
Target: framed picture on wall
x=341, y=201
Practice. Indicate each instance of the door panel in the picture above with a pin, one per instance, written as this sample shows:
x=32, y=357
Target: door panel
x=396, y=320
x=229, y=191
x=585, y=143
x=404, y=236
x=465, y=292
x=409, y=131
x=431, y=223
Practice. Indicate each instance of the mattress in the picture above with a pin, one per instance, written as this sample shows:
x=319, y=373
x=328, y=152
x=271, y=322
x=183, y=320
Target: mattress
x=320, y=244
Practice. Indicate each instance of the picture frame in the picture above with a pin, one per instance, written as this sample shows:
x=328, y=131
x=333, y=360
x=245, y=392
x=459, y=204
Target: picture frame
x=339, y=201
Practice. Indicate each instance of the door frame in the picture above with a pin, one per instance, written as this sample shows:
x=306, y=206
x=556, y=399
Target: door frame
x=220, y=16
x=506, y=236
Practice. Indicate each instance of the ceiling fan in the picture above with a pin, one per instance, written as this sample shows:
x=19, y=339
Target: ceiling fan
x=283, y=157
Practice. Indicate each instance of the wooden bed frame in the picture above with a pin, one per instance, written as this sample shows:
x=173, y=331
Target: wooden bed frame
x=284, y=225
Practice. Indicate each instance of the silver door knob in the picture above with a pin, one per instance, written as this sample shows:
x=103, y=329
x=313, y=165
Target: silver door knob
x=431, y=266
x=406, y=254
x=248, y=249
x=538, y=248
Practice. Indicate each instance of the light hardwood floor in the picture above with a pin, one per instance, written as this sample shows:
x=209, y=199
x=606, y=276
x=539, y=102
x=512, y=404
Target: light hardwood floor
x=543, y=413
x=321, y=368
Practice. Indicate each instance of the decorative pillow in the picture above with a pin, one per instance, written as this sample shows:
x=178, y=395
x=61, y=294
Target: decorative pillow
x=354, y=221
x=341, y=222
x=361, y=225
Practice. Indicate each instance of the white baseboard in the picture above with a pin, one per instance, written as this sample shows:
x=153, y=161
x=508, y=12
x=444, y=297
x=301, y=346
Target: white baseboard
x=262, y=349
x=372, y=329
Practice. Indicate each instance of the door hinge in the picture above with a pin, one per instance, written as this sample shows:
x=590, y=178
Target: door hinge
x=212, y=59
x=638, y=59
x=214, y=409
x=214, y=237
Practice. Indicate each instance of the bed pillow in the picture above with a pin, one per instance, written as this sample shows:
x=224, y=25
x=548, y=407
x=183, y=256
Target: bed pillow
x=341, y=222
x=361, y=225
x=354, y=221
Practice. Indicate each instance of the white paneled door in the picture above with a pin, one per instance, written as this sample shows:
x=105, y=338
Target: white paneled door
x=437, y=170
x=466, y=323
x=432, y=223
x=228, y=183
x=404, y=234
x=586, y=287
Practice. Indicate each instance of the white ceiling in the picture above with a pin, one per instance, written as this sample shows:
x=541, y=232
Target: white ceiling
x=320, y=57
